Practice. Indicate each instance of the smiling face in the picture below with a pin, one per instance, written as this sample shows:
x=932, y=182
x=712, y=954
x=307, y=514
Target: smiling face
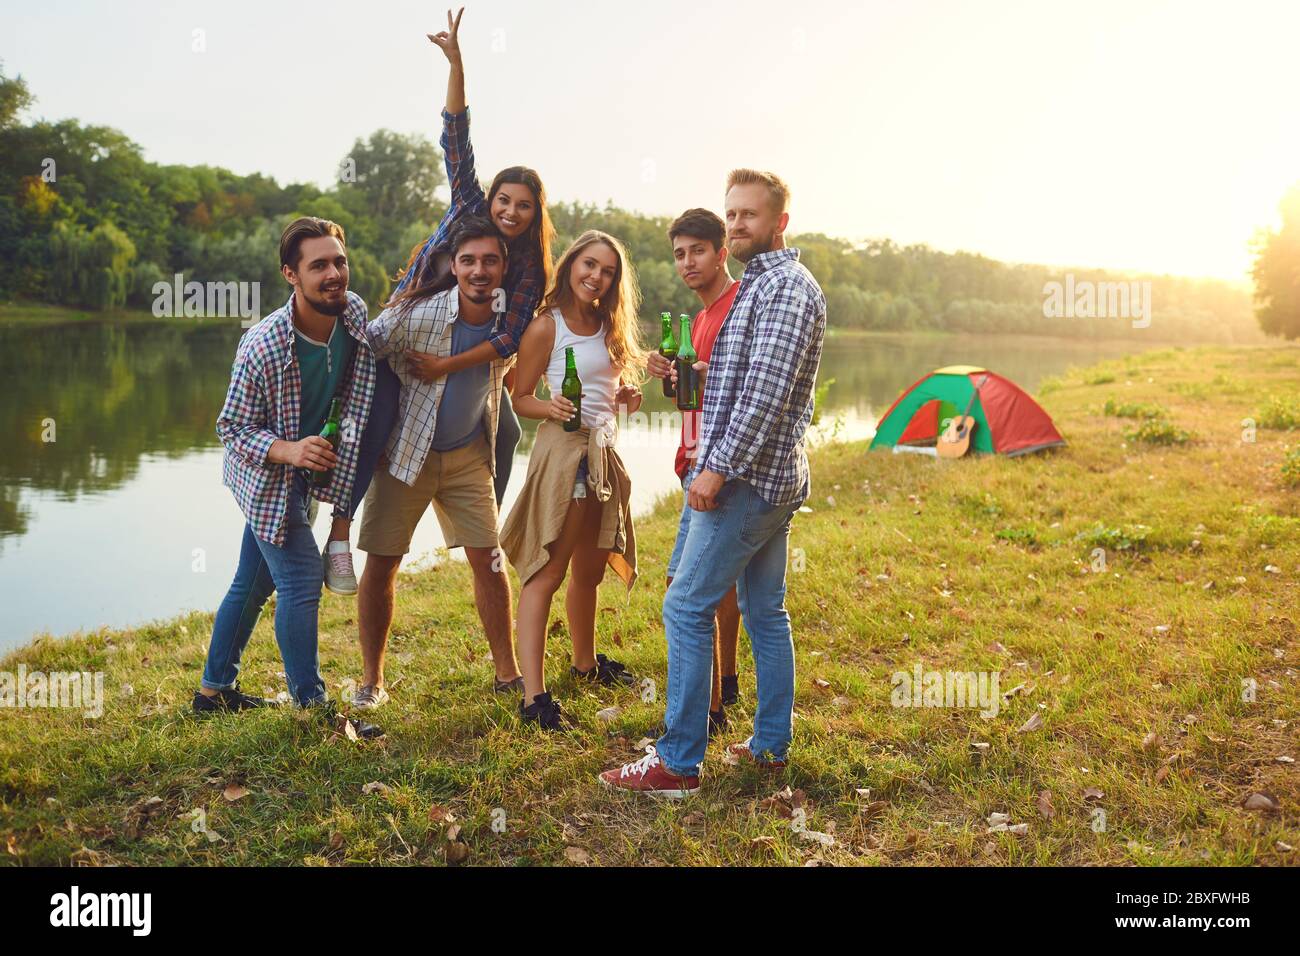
x=479, y=268
x=697, y=262
x=594, y=271
x=321, y=277
x=753, y=223
x=513, y=209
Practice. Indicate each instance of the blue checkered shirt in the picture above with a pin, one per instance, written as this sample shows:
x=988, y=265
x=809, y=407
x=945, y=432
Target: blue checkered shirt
x=264, y=403
x=758, y=395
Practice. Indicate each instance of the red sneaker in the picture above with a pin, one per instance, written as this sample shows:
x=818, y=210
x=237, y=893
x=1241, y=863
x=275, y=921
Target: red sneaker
x=648, y=775
x=744, y=753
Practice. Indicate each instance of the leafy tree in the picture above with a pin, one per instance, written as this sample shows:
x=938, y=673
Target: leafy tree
x=1277, y=273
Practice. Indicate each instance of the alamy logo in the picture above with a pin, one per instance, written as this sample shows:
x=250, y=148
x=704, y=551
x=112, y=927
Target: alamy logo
x=1085, y=299
x=946, y=689
x=103, y=909
x=79, y=690
x=198, y=300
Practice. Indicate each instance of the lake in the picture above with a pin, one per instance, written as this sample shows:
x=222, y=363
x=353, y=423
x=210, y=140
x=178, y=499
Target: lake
x=122, y=517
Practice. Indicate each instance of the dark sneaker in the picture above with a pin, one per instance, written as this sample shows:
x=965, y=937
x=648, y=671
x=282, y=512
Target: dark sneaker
x=330, y=714
x=515, y=686
x=649, y=776
x=543, y=711
x=730, y=690
x=229, y=700
x=607, y=672
x=717, y=721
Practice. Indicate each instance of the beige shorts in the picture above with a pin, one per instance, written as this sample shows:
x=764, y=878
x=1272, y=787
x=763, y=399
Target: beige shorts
x=459, y=486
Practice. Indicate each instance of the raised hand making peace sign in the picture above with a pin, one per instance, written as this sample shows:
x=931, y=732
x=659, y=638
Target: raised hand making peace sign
x=448, y=40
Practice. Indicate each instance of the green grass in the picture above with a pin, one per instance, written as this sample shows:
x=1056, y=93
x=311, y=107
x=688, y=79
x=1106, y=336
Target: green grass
x=983, y=564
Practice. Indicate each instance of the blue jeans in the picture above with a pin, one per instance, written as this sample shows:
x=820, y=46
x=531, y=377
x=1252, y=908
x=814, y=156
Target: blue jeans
x=743, y=542
x=295, y=572
x=683, y=528
x=384, y=408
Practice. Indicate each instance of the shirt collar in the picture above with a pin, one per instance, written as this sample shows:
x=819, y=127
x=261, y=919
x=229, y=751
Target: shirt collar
x=767, y=260
x=352, y=320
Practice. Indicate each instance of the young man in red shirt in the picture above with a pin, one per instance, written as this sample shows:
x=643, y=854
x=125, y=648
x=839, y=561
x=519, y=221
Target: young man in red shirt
x=700, y=255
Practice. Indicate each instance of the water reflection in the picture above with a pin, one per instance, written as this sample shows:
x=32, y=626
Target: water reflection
x=123, y=518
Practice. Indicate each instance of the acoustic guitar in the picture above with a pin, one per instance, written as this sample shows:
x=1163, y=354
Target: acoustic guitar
x=955, y=440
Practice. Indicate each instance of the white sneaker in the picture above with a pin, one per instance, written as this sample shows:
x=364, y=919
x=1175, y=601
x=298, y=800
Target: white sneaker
x=369, y=697
x=339, y=574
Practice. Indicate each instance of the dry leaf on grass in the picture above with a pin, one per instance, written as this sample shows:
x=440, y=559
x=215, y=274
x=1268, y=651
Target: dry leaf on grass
x=1262, y=803
x=577, y=855
x=1033, y=723
x=1045, y=808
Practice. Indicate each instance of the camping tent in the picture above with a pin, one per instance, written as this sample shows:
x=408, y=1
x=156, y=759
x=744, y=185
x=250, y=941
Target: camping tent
x=1007, y=420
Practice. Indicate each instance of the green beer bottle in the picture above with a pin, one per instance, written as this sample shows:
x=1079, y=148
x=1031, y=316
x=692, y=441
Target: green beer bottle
x=332, y=432
x=668, y=349
x=571, y=388
x=688, y=379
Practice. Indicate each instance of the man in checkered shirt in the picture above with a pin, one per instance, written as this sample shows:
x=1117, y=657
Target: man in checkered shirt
x=289, y=369
x=749, y=478
x=442, y=451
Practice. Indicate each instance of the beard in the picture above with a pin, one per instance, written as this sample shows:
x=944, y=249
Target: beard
x=746, y=249
x=326, y=307
x=477, y=294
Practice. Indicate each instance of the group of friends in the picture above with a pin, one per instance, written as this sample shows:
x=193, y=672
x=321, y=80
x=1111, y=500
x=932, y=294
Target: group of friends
x=427, y=396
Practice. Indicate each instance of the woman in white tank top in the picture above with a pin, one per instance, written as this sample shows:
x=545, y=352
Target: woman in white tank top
x=595, y=370
x=556, y=530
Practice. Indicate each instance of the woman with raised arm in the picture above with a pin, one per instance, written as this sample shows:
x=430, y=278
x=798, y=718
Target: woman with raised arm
x=516, y=203
x=574, y=513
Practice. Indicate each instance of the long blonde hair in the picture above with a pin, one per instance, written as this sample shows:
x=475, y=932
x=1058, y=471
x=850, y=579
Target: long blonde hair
x=618, y=307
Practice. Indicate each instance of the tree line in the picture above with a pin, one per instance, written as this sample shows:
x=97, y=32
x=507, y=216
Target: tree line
x=87, y=221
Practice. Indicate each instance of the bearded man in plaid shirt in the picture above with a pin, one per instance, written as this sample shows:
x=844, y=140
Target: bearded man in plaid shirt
x=288, y=370
x=749, y=478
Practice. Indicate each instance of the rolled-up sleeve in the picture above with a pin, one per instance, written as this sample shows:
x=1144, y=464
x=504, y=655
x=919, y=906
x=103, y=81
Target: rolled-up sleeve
x=522, y=306
x=242, y=423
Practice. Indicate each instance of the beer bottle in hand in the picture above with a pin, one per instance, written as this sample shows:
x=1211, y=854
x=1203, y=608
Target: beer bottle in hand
x=668, y=349
x=688, y=379
x=571, y=388
x=332, y=432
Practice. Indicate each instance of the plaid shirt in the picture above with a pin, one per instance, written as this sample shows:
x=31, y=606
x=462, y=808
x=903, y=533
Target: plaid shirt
x=525, y=278
x=427, y=327
x=758, y=396
x=263, y=404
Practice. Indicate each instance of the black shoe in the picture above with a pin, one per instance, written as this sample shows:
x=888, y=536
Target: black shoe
x=229, y=700
x=607, y=672
x=730, y=690
x=329, y=713
x=717, y=721
x=515, y=686
x=543, y=711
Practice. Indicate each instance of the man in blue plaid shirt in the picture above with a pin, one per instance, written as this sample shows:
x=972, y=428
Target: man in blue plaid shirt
x=289, y=368
x=750, y=477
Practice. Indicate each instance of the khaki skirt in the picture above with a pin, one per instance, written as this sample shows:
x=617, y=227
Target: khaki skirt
x=537, y=517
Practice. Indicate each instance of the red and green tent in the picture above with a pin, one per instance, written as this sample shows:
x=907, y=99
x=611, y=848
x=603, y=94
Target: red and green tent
x=1007, y=420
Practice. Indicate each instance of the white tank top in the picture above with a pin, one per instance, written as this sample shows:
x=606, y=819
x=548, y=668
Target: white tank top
x=599, y=380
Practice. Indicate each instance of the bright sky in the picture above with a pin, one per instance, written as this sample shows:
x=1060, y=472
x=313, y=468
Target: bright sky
x=1134, y=134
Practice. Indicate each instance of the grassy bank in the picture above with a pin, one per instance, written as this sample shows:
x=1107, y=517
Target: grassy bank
x=1135, y=672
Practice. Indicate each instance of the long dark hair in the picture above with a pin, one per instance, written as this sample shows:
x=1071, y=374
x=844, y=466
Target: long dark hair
x=536, y=241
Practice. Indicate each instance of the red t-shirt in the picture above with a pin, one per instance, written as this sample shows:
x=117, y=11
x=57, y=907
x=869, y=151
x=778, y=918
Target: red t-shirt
x=704, y=331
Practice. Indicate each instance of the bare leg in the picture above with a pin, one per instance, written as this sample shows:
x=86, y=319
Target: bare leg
x=535, y=605
x=728, y=623
x=375, y=613
x=588, y=566
x=340, y=529
x=492, y=597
